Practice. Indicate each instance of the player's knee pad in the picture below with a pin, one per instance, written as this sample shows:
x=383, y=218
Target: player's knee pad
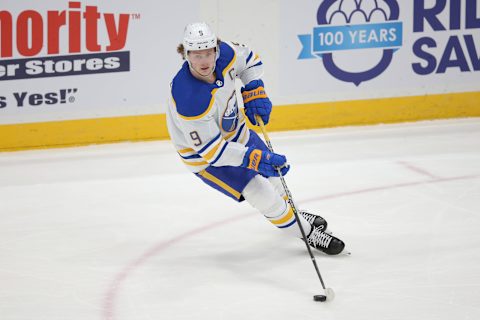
x=278, y=186
x=261, y=195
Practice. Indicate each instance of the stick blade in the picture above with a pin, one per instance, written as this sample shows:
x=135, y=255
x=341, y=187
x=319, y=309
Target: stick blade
x=330, y=294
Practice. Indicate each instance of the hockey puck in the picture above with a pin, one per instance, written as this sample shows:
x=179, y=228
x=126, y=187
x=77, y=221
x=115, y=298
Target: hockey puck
x=320, y=298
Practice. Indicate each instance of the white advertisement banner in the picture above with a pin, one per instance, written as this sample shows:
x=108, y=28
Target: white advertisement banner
x=67, y=60
x=63, y=60
x=358, y=49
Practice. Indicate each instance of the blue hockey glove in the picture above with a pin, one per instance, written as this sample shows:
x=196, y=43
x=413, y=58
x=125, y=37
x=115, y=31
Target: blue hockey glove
x=256, y=101
x=265, y=162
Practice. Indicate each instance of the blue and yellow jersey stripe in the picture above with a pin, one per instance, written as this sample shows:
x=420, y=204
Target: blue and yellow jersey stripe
x=214, y=149
x=190, y=157
x=256, y=61
x=229, y=66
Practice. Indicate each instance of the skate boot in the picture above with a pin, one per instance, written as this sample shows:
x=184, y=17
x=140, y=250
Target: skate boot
x=315, y=220
x=325, y=242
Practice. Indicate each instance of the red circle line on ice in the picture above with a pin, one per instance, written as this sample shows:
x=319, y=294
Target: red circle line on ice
x=108, y=304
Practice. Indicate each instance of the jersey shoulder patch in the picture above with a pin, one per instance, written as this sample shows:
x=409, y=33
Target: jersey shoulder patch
x=193, y=98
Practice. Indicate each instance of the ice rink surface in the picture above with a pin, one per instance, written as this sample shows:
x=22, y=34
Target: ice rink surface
x=124, y=231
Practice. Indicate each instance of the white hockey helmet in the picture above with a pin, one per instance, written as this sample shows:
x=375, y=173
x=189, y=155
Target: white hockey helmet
x=198, y=36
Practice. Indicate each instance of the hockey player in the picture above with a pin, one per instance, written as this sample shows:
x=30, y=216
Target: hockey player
x=212, y=139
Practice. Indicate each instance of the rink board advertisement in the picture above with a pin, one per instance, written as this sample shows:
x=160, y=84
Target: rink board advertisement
x=354, y=49
x=79, y=72
x=86, y=60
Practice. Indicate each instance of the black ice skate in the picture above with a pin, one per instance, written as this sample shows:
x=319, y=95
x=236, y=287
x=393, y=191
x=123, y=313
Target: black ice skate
x=315, y=220
x=325, y=242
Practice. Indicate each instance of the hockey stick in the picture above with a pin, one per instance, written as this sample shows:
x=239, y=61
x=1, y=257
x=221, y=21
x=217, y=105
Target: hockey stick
x=329, y=293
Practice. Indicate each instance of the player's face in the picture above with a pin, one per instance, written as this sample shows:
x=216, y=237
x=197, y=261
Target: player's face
x=202, y=61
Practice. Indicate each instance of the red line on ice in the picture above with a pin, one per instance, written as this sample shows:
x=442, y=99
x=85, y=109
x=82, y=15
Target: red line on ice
x=108, y=307
x=418, y=170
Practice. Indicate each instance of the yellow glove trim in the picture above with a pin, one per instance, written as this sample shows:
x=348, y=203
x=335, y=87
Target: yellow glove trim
x=254, y=159
x=256, y=93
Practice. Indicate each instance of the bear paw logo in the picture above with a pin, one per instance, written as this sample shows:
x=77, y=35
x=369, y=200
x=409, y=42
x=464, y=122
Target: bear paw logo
x=355, y=39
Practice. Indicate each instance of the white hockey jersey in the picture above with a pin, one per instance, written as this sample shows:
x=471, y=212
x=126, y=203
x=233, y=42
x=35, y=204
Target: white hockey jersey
x=203, y=119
